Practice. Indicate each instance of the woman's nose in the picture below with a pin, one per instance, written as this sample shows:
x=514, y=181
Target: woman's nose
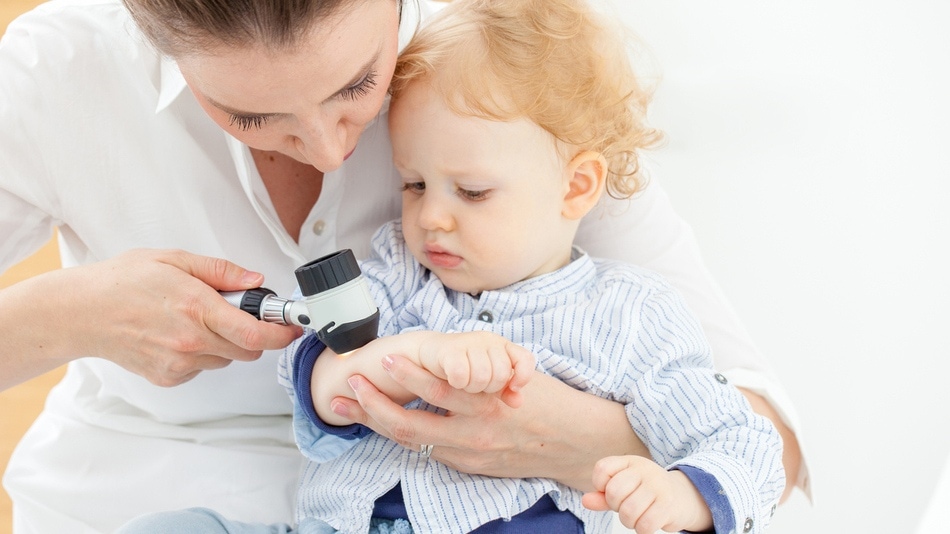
x=324, y=142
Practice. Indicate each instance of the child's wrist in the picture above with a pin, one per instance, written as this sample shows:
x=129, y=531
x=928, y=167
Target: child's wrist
x=695, y=513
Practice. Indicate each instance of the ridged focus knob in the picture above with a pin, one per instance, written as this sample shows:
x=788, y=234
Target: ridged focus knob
x=327, y=272
x=252, y=298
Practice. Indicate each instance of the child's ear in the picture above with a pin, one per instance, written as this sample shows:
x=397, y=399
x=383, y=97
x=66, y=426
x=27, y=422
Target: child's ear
x=587, y=175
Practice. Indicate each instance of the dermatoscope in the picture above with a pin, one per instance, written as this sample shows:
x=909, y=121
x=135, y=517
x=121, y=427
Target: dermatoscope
x=336, y=302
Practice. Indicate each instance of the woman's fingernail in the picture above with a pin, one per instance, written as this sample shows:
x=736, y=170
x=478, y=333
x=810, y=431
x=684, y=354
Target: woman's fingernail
x=354, y=383
x=340, y=409
x=388, y=362
x=252, y=279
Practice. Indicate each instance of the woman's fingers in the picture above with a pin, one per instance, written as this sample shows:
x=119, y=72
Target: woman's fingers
x=156, y=315
x=241, y=336
x=385, y=417
x=434, y=390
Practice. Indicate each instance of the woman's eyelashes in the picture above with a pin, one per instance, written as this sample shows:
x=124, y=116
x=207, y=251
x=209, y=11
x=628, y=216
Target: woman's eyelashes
x=256, y=122
x=246, y=122
x=361, y=88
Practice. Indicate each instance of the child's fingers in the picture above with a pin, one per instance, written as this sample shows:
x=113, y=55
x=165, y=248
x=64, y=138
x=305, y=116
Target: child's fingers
x=522, y=363
x=501, y=366
x=480, y=370
x=634, y=494
x=627, y=494
x=457, y=368
x=606, y=468
x=596, y=501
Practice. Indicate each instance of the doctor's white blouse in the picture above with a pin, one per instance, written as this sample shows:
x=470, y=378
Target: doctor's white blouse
x=101, y=139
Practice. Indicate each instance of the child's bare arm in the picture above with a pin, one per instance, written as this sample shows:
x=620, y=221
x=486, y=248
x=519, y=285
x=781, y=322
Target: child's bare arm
x=647, y=497
x=473, y=361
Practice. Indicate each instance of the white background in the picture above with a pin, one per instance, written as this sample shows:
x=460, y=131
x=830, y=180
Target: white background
x=809, y=147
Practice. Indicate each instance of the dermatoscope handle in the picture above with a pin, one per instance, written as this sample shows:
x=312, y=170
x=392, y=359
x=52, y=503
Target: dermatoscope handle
x=264, y=304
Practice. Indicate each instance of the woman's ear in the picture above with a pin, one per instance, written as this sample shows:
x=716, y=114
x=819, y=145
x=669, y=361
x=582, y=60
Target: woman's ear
x=587, y=175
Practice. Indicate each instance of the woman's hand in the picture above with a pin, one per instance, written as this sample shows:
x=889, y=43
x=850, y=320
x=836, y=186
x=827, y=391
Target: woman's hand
x=475, y=362
x=557, y=433
x=157, y=313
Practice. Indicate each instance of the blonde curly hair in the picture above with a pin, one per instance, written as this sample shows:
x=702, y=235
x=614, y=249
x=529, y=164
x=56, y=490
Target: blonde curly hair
x=557, y=63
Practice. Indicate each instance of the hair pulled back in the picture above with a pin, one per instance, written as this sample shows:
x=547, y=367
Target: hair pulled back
x=178, y=28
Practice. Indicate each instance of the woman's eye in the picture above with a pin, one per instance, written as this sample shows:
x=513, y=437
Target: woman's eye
x=246, y=122
x=414, y=187
x=473, y=195
x=362, y=88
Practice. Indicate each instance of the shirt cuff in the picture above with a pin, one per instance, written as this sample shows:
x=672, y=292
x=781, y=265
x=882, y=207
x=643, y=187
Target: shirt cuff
x=773, y=392
x=715, y=497
x=306, y=357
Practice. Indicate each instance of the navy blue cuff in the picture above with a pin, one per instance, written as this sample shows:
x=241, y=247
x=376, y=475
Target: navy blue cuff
x=715, y=497
x=304, y=360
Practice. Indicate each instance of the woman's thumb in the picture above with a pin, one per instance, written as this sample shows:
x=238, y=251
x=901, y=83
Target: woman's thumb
x=219, y=273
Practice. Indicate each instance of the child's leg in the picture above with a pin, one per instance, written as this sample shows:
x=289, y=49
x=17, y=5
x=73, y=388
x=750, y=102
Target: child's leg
x=390, y=526
x=196, y=520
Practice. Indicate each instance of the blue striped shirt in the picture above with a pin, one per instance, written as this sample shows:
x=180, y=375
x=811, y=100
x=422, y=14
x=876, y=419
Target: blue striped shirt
x=614, y=330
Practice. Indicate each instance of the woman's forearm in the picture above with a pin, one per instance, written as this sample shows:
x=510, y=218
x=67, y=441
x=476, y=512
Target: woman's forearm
x=32, y=345
x=558, y=432
x=156, y=313
x=568, y=431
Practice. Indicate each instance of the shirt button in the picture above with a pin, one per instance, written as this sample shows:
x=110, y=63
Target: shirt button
x=722, y=380
x=319, y=226
x=747, y=527
x=486, y=316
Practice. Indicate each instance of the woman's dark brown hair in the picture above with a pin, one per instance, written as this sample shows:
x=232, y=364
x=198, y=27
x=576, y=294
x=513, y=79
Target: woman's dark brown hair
x=178, y=28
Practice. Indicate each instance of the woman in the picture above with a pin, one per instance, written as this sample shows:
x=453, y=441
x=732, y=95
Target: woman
x=254, y=135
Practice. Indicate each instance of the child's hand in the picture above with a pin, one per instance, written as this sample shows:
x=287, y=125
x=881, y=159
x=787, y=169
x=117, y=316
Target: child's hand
x=646, y=496
x=479, y=362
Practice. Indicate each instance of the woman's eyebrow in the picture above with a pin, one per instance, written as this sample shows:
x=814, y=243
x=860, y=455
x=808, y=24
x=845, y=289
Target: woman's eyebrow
x=232, y=111
x=360, y=74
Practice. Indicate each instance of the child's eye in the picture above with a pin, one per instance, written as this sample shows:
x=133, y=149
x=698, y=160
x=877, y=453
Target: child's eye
x=473, y=195
x=414, y=187
x=362, y=88
x=246, y=122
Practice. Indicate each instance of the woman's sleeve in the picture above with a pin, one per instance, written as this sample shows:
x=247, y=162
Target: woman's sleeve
x=25, y=205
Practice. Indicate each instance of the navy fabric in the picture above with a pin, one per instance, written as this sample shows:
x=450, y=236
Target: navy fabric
x=308, y=352
x=715, y=497
x=542, y=518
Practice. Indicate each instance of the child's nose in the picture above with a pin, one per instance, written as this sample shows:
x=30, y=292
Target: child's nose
x=435, y=213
